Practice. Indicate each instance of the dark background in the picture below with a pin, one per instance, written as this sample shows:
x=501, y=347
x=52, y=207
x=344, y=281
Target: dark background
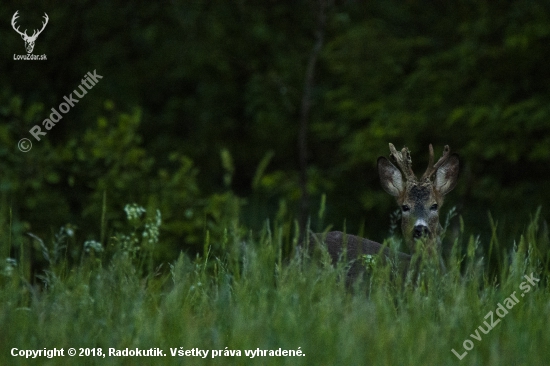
x=201, y=104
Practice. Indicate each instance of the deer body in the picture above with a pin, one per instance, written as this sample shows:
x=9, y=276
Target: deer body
x=419, y=199
x=355, y=249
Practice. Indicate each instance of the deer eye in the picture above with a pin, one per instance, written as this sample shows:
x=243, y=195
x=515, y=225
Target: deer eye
x=434, y=207
x=405, y=208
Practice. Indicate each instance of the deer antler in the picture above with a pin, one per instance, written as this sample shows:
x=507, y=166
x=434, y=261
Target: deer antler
x=24, y=34
x=45, y=16
x=432, y=168
x=403, y=160
x=13, y=19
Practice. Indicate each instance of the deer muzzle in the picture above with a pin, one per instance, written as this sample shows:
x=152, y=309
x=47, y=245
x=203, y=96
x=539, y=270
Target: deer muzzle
x=420, y=231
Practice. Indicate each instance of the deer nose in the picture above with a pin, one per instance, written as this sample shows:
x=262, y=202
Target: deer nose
x=420, y=231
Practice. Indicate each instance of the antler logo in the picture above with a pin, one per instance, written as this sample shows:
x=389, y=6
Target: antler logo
x=29, y=40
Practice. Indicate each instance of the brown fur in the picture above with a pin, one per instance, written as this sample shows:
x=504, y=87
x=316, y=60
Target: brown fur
x=420, y=200
x=356, y=247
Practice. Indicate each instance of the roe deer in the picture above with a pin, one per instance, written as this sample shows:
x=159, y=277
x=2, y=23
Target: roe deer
x=419, y=199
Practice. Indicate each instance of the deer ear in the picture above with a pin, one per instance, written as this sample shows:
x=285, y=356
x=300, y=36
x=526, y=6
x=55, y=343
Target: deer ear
x=390, y=177
x=447, y=175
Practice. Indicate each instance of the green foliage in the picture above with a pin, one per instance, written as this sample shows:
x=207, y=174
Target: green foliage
x=248, y=299
x=196, y=117
x=95, y=174
x=197, y=113
x=470, y=75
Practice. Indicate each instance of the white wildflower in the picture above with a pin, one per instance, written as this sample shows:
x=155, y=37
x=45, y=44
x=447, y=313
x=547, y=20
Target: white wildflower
x=93, y=245
x=133, y=211
x=9, y=267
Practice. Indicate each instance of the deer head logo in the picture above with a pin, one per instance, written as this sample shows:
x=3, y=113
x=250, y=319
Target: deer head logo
x=29, y=40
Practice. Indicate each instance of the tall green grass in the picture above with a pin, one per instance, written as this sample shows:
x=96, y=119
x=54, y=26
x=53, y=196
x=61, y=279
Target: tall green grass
x=250, y=297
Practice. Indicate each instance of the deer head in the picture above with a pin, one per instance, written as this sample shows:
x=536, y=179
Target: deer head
x=29, y=40
x=419, y=199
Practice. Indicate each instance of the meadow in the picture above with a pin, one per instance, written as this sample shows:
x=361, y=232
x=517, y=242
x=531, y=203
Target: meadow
x=229, y=121
x=236, y=308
